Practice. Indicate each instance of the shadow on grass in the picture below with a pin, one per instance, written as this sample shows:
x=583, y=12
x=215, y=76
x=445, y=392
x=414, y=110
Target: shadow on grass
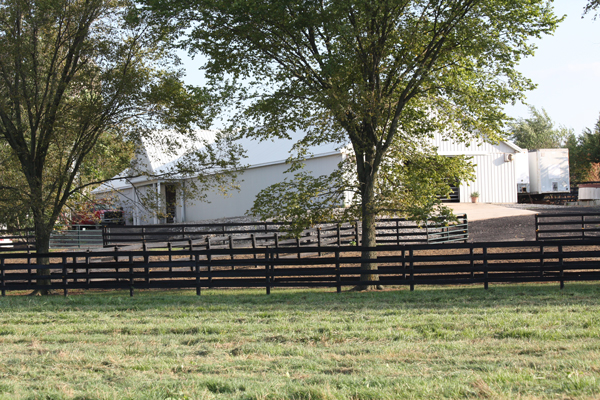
x=424, y=297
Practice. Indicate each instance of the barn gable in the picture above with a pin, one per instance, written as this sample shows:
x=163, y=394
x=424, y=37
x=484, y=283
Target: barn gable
x=497, y=166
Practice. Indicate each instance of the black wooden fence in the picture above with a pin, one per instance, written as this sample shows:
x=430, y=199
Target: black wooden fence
x=253, y=234
x=410, y=265
x=567, y=226
x=389, y=231
x=18, y=240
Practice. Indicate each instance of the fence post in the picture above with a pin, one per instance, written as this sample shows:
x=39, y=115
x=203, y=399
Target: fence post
x=29, y=269
x=562, y=269
x=254, y=247
x=146, y=262
x=397, y=232
x=485, y=268
x=267, y=271
x=3, y=277
x=209, y=262
x=319, y=239
x=117, y=263
x=412, y=269
x=191, y=248
x=339, y=235
x=231, y=253
x=277, y=243
x=131, y=280
x=583, y=227
x=542, y=261
x=198, y=288
x=64, y=276
x=356, y=233
x=87, y=268
x=170, y=248
x=338, y=276
x=403, y=264
x=298, y=244
x=472, y=261
x=75, y=268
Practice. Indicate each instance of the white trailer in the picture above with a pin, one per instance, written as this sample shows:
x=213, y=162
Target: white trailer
x=549, y=171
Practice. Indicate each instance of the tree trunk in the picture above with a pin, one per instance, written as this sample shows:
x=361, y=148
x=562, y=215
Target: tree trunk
x=42, y=245
x=369, y=240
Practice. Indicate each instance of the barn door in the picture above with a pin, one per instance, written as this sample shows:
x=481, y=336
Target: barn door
x=171, y=201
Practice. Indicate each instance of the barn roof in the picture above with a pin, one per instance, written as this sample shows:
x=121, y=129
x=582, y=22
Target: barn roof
x=151, y=157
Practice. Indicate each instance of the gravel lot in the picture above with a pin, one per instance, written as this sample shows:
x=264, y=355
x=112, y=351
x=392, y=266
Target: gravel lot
x=518, y=228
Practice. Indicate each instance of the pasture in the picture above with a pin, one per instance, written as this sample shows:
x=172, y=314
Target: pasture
x=530, y=341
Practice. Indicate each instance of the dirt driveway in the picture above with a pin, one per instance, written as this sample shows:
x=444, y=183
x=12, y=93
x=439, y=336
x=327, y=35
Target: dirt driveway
x=517, y=227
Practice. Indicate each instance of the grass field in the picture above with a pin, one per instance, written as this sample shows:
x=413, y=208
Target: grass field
x=517, y=341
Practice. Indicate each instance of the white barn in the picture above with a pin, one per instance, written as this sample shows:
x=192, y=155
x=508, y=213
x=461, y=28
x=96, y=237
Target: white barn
x=497, y=174
x=499, y=168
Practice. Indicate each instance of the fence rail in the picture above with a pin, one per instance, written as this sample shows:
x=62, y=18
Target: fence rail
x=17, y=240
x=389, y=231
x=80, y=237
x=409, y=265
x=567, y=226
x=255, y=234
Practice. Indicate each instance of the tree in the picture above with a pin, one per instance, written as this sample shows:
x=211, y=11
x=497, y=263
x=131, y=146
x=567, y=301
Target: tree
x=584, y=152
x=413, y=180
x=74, y=74
x=592, y=5
x=538, y=131
x=375, y=74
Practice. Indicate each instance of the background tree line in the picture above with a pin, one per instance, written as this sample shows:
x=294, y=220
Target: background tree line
x=538, y=131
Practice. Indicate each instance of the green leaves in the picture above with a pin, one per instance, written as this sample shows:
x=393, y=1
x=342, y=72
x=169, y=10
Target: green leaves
x=371, y=74
x=538, y=131
x=81, y=82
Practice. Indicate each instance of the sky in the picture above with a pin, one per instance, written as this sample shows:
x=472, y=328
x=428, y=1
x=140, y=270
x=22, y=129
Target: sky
x=565, y=67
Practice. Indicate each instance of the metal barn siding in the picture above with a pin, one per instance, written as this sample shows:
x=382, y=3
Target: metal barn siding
x=253, y=180
x=495, y=176
x=494, y=180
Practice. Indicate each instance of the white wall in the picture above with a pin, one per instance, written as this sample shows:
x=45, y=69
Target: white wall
x=495, y=180
x=254, y=180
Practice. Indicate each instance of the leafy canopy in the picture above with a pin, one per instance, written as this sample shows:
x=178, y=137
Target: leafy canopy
x=538, y=131
x=80, y=81
x=584, y=154
x=376, y=75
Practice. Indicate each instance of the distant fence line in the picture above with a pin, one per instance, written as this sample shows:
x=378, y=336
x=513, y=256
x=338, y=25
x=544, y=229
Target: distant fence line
x=408, y=265
x=252, y=234
x=567, y=226
x=389, y=231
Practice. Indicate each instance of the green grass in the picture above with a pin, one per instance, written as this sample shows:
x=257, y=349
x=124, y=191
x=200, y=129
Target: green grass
x=518, y=341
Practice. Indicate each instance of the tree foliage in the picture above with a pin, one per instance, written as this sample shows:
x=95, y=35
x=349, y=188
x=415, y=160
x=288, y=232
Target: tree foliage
x=584, y=151
x=538, y=131
x=80, y=81
x=373, y=74
x=412, y=182
x=591, y=6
